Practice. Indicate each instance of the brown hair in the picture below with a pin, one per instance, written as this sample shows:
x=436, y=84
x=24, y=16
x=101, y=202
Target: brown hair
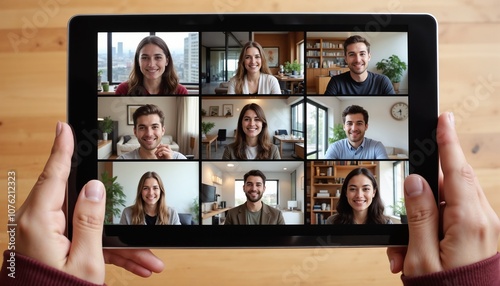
x=355, y=109
x=147, y=110
x=169, y=79
x=241, y=72
x=264, y=140
x=345, y=214
x=138, y=213
x=356, y=39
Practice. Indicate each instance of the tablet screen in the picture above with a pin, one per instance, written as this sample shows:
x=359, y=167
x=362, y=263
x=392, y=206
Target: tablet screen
x=311, y=152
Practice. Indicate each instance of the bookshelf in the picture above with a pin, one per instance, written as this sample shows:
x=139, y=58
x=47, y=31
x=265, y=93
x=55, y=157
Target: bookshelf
x=326, y=177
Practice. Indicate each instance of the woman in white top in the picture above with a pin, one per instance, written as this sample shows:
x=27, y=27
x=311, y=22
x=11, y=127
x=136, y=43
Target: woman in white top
x=253, y=141
x=253, y=75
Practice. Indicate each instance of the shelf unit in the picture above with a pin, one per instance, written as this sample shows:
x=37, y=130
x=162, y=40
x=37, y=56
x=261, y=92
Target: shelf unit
x=322, y=56
x=326, y=177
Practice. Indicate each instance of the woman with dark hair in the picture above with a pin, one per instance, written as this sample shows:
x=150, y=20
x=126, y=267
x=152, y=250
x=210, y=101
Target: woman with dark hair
x=359, y=201
x=150, y=207
x=253, y=141
x=153, y=71
x=253, y=75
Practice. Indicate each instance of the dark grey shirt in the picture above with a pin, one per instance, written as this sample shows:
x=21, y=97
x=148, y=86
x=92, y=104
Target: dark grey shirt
x=343, y=84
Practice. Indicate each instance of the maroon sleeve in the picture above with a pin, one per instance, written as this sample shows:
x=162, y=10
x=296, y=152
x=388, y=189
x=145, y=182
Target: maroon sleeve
x=482, y=273
x=20, y=270
x=181, y=90
x=122, y=88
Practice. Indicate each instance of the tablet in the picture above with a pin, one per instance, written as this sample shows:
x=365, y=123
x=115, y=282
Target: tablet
x=321, y=78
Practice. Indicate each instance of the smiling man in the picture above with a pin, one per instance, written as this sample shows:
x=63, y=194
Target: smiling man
x=149, y=129
x=358, y=80
x=254, y=211
x=356, y=146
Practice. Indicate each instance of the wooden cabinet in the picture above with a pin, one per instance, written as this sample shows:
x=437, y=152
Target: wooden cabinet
x=322, y=56
x=326, y=177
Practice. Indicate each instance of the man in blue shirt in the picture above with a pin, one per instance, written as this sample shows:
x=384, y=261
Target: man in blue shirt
x=356, y=146
x=358, y=80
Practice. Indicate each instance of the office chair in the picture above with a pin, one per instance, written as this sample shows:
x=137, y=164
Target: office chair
x=221, y=135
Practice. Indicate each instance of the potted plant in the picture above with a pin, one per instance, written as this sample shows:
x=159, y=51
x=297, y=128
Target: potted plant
x=203, y=112
x=106, y=127
x=195, y=208
x=393, y=68
x=400, y=209
x=293, y=67
x=338, y=133
x=114, y=197
x=206, y=127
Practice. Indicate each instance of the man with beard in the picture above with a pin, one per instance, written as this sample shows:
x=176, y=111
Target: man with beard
x=358, y=80
x=254, y=211
x=149, y=129
x=356, y=146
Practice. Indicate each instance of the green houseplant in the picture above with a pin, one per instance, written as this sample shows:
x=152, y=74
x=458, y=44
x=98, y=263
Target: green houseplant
x=338, y=133
x=393, y=68
x=400, y=209
x=99, y=78
x=106, y=127
x=293, y=67
x=206, y=127
x=114, y=197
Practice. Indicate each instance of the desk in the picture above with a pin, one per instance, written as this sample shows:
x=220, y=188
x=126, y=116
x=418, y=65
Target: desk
x=291, y=80
x=287, y=139
x=214, y=213
x=208, y=140
x=299, y=150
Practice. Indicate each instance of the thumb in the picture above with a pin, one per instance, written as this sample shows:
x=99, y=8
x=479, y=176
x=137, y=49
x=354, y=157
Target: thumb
x=88, y=219
x=422, y=256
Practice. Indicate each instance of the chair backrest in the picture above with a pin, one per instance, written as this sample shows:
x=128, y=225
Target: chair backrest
x=281, y=132
x=221, y=135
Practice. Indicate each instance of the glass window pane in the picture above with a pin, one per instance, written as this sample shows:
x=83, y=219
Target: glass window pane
x=102, y=55
x=185, y=50
x=123, y=51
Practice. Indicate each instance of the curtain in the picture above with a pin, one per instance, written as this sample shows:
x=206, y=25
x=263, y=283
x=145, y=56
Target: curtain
x=188, y=124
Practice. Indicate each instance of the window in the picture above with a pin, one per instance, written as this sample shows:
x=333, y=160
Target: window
x=298, y=119
x=270, y=196
x=116, y=52
x=317, y=130
x=400, y=172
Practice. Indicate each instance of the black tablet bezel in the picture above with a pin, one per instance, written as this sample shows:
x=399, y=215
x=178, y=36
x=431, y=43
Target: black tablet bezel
x=422, y=101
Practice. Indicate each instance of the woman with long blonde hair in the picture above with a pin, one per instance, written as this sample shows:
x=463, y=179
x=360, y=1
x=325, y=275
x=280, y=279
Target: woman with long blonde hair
x=253, y=75
x=150, y=207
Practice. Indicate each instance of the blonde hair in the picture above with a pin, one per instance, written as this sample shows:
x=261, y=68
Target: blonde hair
x=138, y=212
x=241, y=72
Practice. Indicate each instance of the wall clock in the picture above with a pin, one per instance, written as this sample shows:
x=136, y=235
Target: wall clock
x=399, y=111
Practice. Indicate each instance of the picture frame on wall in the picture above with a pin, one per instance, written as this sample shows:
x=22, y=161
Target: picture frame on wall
x=213, y=111
x=227, y=110
x=131, y=108
x=272, y=56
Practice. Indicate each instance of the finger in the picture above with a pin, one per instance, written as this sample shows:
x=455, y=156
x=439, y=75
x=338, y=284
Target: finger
x=88, y=219
x=456, y=170
x=396, y=257
x=141, y=262
x=49, y=191
x=423, y=246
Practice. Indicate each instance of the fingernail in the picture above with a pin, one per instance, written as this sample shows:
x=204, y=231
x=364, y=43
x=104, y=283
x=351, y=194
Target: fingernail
x=392, y=265
x=94, y=191
x=414, y=186
x=58, y=128
x=451, y=117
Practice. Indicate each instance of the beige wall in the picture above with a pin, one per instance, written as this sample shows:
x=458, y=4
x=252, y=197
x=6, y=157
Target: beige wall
x=33, y=98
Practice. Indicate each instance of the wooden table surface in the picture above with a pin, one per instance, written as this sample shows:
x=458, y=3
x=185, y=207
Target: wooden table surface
x=33, y=98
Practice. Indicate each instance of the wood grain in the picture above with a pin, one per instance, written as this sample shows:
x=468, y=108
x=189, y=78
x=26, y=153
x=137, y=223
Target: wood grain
x=33, y=94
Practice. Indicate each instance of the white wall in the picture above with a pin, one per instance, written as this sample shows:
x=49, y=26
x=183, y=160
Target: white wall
x=181, y=186
x=381, y=126
x=116, y=108
x=382, y=46
x=277, y=113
